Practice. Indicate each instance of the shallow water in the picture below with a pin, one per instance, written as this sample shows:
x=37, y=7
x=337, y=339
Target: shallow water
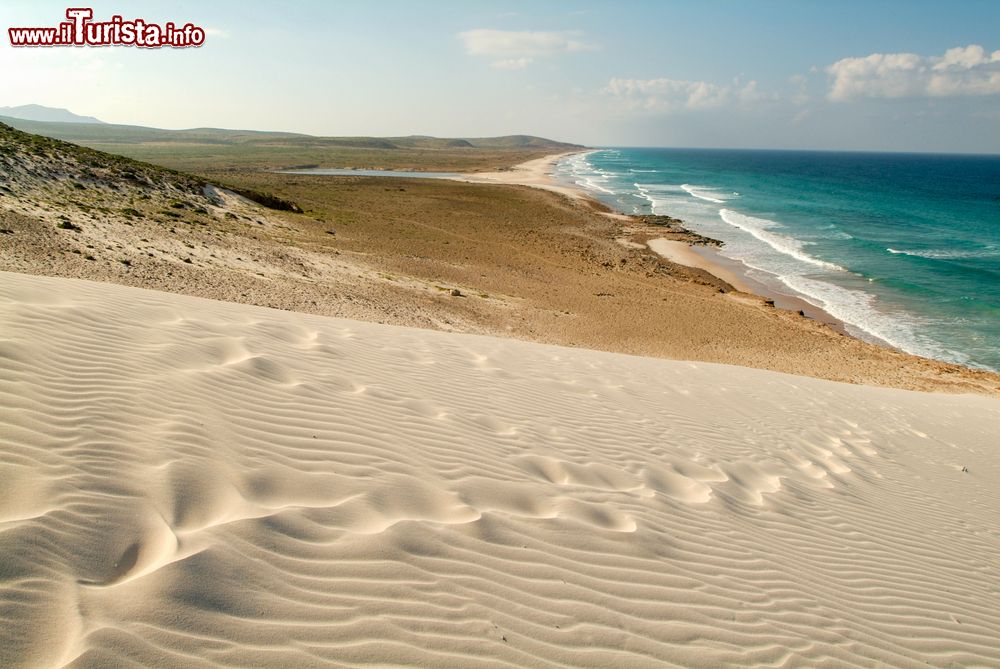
x=904, y=248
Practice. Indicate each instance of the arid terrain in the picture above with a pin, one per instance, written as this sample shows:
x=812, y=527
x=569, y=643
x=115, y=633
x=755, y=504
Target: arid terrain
x=219, y=150
x=209, y=482
x=525, y=263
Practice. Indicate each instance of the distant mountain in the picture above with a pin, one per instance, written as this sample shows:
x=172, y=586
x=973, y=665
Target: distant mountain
x=504, y=142
x=46, y=114
x=520, y=142
x=98, y=132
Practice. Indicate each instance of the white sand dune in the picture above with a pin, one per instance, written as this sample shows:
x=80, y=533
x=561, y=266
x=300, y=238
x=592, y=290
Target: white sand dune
x=188, y=483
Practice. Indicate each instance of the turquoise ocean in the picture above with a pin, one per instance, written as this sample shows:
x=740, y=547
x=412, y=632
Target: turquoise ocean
x=903, y=248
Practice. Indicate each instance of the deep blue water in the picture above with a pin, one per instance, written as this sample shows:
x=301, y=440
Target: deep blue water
x=904, y=248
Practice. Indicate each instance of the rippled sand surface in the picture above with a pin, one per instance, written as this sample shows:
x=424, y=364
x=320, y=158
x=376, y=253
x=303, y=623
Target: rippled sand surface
x=190, y=483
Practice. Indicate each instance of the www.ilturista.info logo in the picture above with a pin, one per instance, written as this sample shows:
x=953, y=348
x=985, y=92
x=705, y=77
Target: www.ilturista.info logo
x=80, y=30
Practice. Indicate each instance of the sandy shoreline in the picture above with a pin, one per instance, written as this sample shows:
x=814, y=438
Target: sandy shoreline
x=510, y=261
x=539, y=174
x=536, y=173
x=358, y=477
x=736, y=273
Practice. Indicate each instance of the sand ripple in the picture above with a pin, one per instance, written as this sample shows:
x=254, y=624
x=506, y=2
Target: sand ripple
x=191, y=483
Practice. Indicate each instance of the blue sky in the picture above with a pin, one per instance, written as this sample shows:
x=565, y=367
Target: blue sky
x=917, y=76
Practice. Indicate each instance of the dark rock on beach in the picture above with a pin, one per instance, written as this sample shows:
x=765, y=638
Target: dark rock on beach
x=673, y=228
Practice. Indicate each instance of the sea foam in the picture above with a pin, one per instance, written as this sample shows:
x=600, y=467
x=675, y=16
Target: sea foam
x=760, y=228
x=828, y=241
x=946, y=254
x=858, y=309
x=707, y=194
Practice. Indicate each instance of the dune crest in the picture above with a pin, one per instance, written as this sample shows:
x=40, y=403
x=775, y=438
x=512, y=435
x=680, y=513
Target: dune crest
x=194, y=483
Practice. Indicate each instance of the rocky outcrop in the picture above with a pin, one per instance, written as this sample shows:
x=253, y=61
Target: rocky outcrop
x=673, y=229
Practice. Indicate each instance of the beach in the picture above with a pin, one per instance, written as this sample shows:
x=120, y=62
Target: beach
x=427, y=422
x=526, y=263
x=540, y=173
x=536, y=173
x=187, y=480
x=899, y=249
x=497, y=335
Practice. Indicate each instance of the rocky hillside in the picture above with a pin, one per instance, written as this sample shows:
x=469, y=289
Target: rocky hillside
x=109, y=208
x=71, y=211
x=479, y=258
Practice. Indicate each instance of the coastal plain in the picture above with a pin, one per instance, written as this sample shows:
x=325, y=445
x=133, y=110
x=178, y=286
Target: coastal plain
x=527, y=262
x=260, y=419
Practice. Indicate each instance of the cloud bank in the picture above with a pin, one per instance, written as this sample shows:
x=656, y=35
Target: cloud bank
x=660, y=95
x=962, y=71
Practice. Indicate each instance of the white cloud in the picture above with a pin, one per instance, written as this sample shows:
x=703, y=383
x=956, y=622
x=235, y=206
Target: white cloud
x=960, y=71
x=676, y=94
x=516, y=49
